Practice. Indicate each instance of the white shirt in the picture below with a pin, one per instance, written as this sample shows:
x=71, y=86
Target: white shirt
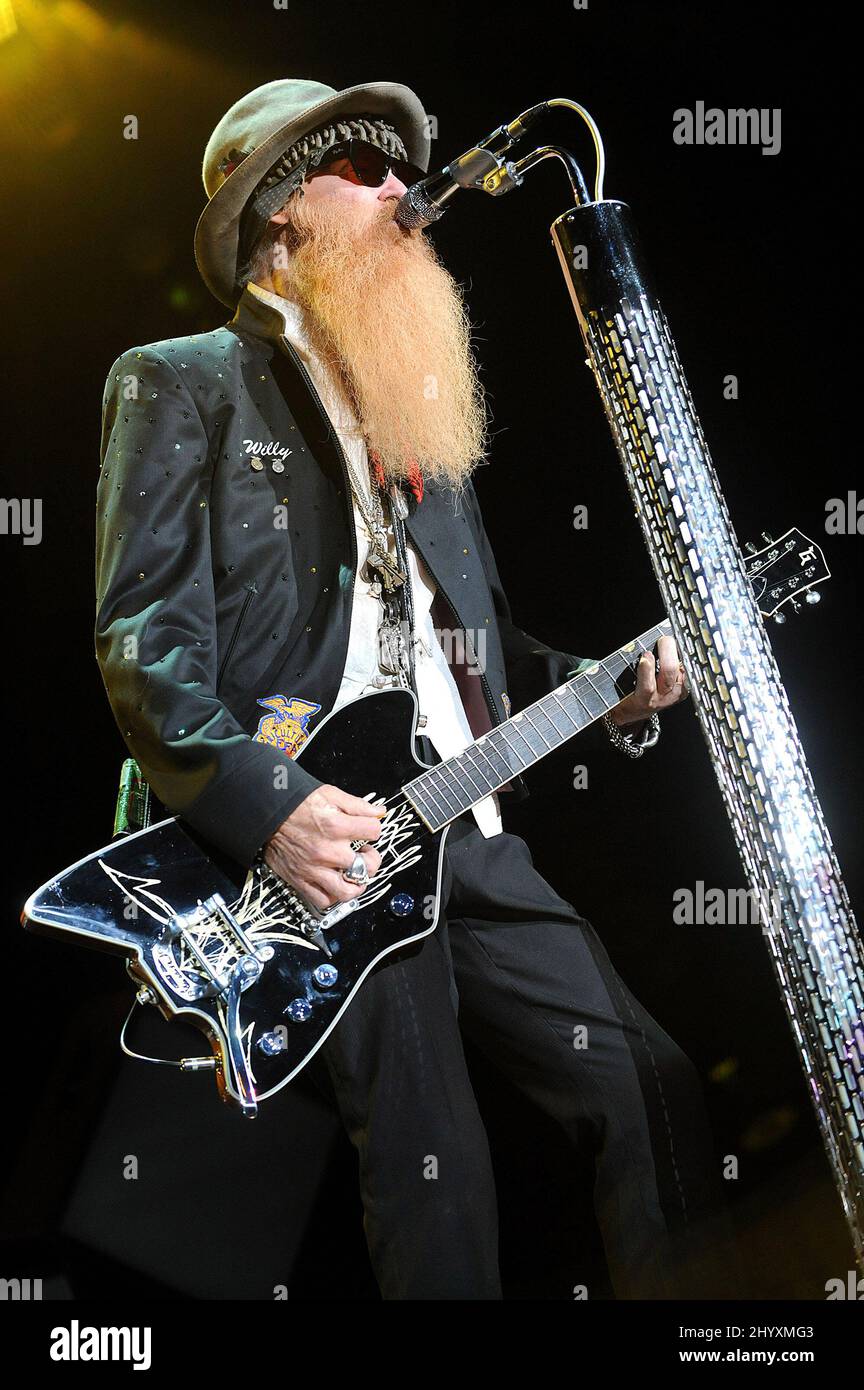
x=446, y=725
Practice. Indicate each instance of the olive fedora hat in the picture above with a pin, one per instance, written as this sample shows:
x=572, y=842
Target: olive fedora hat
x=258, y=129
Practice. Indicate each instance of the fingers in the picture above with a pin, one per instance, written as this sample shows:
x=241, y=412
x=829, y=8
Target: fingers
x=673, y=678
x=337, y=852
x=325, y=875
x=371, y=856
x=355, y=805
x=335, y=824
x=335, y=887
x=670, y=666
x=660, y=680
x=646, y=680
x=324, y=887
x=328, y=889
x=350, y=817
x=312, y=850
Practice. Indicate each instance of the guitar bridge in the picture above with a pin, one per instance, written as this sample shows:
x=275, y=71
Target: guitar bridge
x=239, y=959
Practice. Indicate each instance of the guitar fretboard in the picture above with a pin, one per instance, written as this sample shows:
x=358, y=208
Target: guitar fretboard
x=449, y=788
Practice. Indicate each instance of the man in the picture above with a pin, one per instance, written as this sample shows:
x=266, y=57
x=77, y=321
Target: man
x=251, y=559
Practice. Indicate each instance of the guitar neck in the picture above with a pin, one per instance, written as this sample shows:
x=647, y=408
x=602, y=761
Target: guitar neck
x=448, y=789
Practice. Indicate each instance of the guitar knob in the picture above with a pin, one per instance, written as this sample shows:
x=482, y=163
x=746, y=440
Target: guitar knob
x=780, y=618
x=325, y=976
x=272, y=1043
x=813, y=596
x=768, y=539
x=299, y=1010
x=750, y=548
x=401, y=904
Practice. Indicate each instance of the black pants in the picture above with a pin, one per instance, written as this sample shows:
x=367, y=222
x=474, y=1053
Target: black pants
x=537, y=993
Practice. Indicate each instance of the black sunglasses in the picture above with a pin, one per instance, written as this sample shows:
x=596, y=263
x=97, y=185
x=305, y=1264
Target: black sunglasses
x=363, y=163
x=358, y=161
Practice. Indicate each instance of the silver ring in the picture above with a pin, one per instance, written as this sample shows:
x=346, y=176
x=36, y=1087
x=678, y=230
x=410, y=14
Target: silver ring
x=359, y=871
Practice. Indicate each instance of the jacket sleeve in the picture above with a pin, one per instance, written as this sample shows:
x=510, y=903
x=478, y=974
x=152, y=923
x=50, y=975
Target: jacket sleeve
x=155, y=616
x=533, y=668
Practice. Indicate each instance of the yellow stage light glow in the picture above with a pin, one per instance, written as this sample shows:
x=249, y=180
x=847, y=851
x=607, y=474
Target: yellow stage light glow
x=8, y=24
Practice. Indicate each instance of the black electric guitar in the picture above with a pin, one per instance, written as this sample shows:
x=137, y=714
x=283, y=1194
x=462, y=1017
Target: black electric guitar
x=241, y=955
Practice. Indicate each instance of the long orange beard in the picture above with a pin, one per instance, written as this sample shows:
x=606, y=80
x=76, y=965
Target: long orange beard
x=389, y=320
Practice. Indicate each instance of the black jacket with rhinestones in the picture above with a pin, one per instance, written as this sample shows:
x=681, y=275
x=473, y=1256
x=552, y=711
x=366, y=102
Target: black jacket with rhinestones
x=221, y=582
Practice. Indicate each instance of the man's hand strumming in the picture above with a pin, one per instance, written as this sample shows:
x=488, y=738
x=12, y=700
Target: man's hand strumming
x=313, y=846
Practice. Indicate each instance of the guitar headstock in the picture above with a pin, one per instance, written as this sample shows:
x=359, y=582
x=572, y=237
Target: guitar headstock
x=784, y=570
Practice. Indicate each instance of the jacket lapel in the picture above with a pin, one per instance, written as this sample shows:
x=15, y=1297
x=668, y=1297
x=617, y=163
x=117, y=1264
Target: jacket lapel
x=254, y=316
x=428, y=523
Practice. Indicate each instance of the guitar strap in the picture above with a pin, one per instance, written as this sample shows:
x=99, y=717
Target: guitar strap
x=406, y=595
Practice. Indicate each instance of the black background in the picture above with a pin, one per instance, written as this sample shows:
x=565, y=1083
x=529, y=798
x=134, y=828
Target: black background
x=753, y=257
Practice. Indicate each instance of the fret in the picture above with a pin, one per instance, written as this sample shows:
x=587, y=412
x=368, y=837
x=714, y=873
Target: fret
x=470, y=756
x=617, y=665
x=620, y=661
x=435, y=809
x=437, y=773
x=482, y=746
x=593, y=697
x=611, y=672
x=502, y=733
x=421, y=803
x=477, y=750
x=520, y=726
x=460, y=795
x=580, y=711
x=577, y=697
x=465, y=763
x=564, y=732
x=446, y=790
x=535, y=712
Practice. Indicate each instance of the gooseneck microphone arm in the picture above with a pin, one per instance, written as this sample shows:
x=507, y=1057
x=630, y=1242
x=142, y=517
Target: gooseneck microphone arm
x=738, y=694
x=425, y=201
x=483, y=167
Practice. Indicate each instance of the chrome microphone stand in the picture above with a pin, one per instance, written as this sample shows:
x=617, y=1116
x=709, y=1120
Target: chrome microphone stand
x=752, y=740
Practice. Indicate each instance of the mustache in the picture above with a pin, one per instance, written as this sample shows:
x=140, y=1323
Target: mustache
x=326, y=218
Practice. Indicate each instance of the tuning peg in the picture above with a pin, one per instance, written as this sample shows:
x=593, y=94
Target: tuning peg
x=750, y=548
x=813, y=596
x=780, y=618
x=769, y=540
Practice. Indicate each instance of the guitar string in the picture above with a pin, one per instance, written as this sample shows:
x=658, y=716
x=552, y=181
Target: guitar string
x=641, y=644
x=459, y=761
x=278, y=887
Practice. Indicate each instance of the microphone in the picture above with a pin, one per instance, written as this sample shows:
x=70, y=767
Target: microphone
x=425, y=201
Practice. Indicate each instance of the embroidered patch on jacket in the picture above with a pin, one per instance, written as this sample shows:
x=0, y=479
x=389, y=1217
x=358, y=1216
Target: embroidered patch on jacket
x=286, y=728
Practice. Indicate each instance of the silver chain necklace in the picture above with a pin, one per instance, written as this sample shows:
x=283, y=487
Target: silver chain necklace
x=385, y=578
